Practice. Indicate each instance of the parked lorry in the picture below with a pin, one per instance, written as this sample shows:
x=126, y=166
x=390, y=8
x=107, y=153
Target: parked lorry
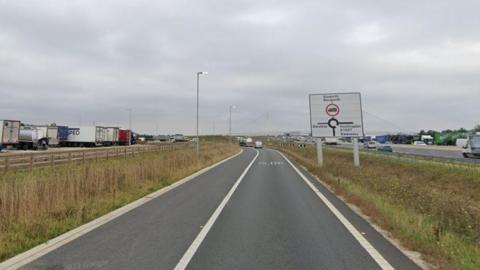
x=9, y=133
x=472, y=149
x=111, y=136
x=85, y=136
x=33, y=137
x=124, y=137
x=242, y=141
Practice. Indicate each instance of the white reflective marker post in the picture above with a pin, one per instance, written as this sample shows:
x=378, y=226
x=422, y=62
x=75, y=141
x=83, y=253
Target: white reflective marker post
x=319, y=152
x=356, y=154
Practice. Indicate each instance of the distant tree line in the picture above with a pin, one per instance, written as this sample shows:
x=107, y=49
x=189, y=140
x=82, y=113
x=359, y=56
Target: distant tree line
x=460, y=130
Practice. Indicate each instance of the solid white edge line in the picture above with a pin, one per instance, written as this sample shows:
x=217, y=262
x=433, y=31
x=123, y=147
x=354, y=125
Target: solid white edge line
x=185, y=260
x=42, y=249
x=384, y=264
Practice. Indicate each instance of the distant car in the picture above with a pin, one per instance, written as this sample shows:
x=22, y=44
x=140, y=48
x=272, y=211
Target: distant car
x=179, y=138
x=370, y=145
x=258, y=144
x=384, y=148
x=419, y=143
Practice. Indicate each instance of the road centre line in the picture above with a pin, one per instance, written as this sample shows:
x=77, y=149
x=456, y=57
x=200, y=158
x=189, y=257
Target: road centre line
x=384, y=264
x=185, y=260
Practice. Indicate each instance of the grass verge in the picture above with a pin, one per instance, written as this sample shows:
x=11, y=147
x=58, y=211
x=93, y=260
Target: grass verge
x=430, y=207
x=40, y=205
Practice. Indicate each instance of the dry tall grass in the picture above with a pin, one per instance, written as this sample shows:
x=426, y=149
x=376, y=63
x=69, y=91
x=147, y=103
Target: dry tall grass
x=39, y=205
x=431, y=207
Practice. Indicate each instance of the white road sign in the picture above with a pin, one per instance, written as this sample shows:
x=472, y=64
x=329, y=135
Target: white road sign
x=336, y=115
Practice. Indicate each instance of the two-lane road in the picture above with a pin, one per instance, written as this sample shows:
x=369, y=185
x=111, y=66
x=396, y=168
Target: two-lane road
x=255, y=211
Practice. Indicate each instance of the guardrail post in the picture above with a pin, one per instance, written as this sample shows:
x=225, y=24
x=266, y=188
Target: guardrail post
x=69, y=157
x=51, y=160
x=83, y=156
x=31, y=161
x=125, y=152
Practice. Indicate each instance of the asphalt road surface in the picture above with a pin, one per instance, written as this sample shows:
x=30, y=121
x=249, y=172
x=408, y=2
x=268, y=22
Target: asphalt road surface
x=254, y=211
x=429, y=151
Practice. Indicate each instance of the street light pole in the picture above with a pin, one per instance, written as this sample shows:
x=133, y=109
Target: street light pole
x=198, y=102
x=129, y=119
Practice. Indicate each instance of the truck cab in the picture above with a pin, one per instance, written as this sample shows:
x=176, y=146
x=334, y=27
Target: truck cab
x=472, y=148
x=427, y=139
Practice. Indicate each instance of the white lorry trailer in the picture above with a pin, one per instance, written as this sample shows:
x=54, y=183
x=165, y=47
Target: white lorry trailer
x=111, y=136
x=9, y=133
x=85, y=136
x=32, y=137
x=472, y=148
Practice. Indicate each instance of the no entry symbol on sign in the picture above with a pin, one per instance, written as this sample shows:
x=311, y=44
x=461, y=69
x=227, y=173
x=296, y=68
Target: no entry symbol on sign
x=332, y=110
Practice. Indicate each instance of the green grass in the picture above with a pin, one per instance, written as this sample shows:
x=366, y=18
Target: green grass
x=40, y=205
x=430, y=207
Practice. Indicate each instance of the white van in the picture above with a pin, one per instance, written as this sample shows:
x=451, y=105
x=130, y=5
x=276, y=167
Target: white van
x=258, y=144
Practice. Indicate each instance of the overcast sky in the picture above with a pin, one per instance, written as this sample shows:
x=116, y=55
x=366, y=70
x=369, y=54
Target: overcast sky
x=416, y=63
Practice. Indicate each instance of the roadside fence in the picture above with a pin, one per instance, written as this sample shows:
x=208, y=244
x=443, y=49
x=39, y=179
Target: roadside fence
x=17, y=161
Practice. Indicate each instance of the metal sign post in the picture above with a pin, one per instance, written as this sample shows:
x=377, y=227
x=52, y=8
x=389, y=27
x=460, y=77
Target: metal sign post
x=356, y=154
x=337, y=115
x=319, y=152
